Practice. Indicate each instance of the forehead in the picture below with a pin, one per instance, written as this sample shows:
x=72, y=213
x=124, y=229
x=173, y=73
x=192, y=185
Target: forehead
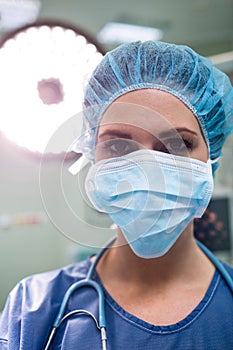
x=151, y=110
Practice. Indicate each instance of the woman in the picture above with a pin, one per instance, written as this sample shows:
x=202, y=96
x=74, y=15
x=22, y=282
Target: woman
x=156, y=118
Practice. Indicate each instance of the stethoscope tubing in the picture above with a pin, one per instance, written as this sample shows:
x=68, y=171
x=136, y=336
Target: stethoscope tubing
x=74, y=288
x=88, y=282
x=219, y=266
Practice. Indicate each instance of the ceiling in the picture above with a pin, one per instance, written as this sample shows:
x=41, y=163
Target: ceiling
x=205, y=25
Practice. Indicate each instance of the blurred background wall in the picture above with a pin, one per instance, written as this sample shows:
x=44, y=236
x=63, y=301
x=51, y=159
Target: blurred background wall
x=30, y=241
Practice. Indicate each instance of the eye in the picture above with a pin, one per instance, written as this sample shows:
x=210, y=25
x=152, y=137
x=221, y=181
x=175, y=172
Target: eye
x=176, y=146
x=116, y=147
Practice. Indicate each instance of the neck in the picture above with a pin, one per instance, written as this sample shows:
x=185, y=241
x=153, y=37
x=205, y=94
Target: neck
x=184, y=261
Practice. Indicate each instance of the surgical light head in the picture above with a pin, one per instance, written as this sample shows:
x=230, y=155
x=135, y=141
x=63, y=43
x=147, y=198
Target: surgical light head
x=176, y=69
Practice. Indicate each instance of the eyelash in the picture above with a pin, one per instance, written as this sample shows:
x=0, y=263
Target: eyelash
x=122, y=147
x=170, y=145
x=117, y=147
x=188, y=143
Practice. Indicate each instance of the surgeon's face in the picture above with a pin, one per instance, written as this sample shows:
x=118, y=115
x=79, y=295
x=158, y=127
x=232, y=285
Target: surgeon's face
x=150, y=119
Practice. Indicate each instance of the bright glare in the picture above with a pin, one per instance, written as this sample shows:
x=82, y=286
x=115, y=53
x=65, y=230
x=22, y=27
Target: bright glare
x=118, y=33
x=15, y=14
x=51, y=57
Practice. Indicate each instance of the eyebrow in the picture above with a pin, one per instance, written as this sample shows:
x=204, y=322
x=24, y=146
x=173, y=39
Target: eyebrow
x=167, y=133
x=170, y=132
x=116, y=133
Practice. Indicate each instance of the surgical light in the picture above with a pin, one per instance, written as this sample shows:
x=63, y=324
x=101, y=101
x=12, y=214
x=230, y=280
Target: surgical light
x=42, y=69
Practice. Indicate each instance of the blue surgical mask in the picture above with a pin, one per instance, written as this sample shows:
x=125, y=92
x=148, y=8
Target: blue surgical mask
x=152, y=196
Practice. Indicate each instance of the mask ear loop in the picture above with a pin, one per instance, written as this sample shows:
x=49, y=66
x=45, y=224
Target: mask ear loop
x=213, y=161
x=77, y=166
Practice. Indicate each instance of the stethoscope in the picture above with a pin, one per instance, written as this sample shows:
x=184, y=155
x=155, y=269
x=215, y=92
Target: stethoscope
x=88, y=282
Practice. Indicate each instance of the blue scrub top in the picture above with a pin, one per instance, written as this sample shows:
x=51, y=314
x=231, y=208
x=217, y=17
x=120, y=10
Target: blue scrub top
x=33, y=305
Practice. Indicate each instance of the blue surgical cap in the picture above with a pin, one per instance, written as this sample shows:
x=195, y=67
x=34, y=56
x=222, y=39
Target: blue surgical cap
x=176, y=69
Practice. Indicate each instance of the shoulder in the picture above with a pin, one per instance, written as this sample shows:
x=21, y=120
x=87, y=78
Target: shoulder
x=43, y=284
x=39, y=291
x=30, y=301
x=229, y=268
x=226, y=278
